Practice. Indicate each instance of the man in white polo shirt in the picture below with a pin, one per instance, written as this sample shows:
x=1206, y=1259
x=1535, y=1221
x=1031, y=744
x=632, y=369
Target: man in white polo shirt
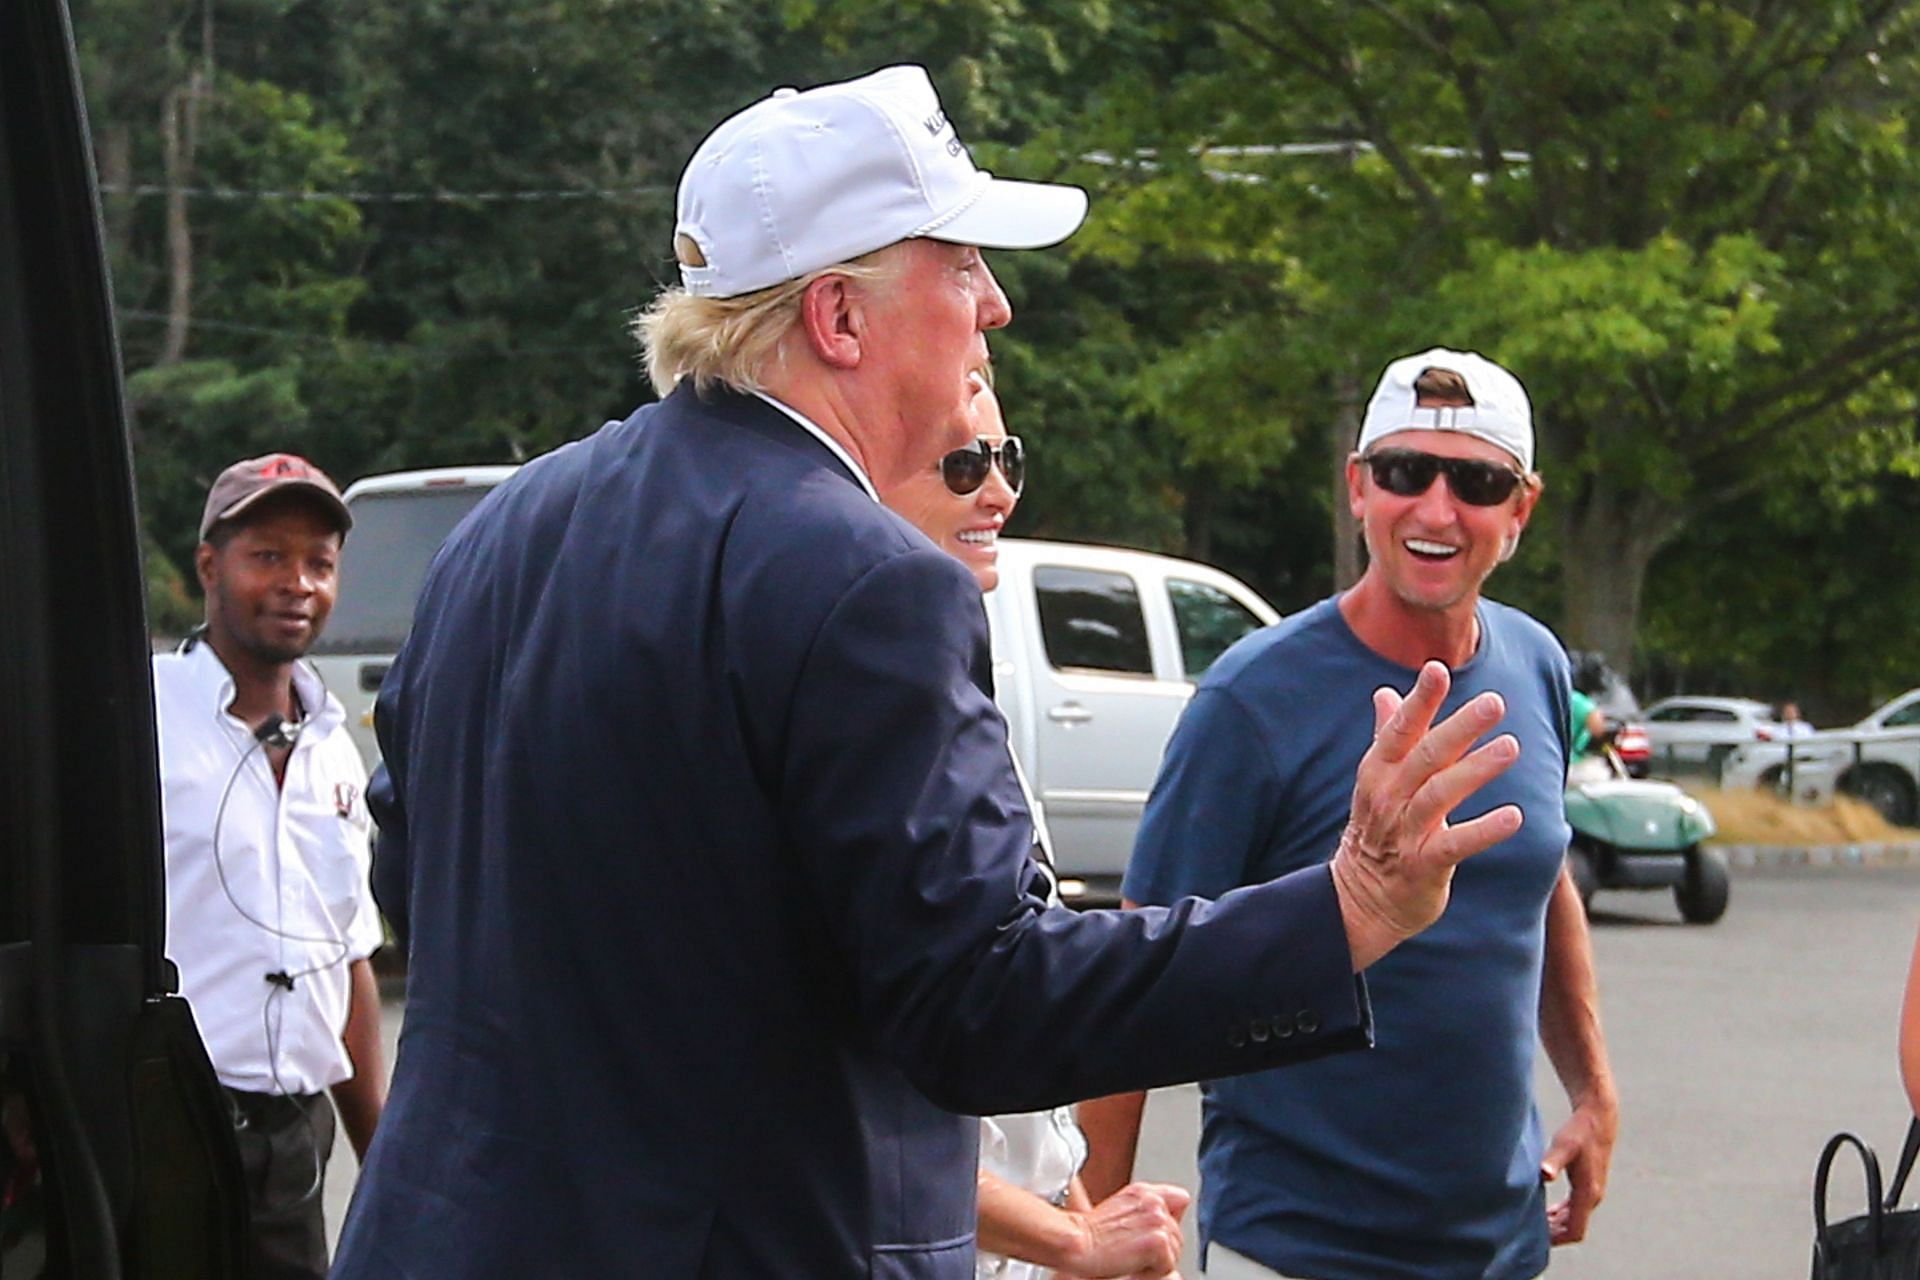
x=269, y=915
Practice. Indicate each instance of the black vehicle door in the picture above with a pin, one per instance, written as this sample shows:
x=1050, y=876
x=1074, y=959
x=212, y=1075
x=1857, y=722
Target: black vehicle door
x=117, y=1156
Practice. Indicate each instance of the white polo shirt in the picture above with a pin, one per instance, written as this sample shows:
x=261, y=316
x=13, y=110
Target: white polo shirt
x=263, y=879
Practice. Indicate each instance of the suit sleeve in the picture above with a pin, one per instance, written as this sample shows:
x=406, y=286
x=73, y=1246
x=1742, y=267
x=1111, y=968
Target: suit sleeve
x=903, y=808
x=390, y=862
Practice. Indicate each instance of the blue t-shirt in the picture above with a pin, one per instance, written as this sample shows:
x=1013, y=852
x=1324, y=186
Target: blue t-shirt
x=1420, y=1158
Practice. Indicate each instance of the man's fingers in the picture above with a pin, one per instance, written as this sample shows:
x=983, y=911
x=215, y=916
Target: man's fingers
x=1386, y=701
x=1457, y=843
x=1579, y=1211
x=1555, y=1159
x=1453, y=737
x=1447, y=789
x=1408, y=723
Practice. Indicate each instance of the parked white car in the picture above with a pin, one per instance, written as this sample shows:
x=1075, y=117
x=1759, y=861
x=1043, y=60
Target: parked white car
x=1095, y=653
x=1877, y=760
x=1695, y=735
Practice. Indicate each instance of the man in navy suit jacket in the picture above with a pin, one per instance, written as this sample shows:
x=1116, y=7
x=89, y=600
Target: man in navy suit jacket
x=707, y=833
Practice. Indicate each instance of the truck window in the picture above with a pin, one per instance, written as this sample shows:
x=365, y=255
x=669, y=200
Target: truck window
x=1905, y=717
x=1091, y=621
x=384, y=563
x=1209, y=621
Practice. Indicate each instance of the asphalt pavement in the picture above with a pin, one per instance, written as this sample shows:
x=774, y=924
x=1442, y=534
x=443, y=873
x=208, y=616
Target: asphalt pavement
x=1739, y=1048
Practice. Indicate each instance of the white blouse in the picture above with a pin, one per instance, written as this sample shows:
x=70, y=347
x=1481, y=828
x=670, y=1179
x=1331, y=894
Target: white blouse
x=1039, y=1151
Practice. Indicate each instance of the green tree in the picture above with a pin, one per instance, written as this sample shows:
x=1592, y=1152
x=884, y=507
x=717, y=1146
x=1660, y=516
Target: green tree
x=232, y=304
x=1803, y=593
x=1683, y=225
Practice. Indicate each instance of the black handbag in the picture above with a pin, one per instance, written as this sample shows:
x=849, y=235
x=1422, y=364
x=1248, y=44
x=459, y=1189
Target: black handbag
x=1884, y=1242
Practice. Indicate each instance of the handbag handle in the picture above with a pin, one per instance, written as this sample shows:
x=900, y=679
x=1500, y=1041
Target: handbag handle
x=1908, y=1150
x=1825, y=1167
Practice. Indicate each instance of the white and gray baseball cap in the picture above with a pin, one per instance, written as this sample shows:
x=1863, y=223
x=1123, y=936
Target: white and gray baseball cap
x=804, y=180
x=1500, y=414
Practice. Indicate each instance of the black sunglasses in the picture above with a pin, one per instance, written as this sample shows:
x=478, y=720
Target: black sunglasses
x=1409, y=473
x=965, y=469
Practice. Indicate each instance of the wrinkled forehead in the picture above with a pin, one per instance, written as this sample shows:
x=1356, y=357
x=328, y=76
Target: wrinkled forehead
x=1445, y=444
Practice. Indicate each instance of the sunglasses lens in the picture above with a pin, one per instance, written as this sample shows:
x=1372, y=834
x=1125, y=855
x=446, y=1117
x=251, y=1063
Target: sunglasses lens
x=1013, y=463
x=965, y=470
x=1404, y=474
x=1481, y=484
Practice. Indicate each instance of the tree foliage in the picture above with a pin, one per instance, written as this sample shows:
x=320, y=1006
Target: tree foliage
x=1685, y=226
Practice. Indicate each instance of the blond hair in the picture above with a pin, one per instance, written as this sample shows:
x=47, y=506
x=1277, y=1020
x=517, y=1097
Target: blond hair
x=731, y=340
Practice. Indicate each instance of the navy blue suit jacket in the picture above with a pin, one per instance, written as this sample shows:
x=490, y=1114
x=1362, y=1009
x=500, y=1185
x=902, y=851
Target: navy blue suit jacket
x=714, y=867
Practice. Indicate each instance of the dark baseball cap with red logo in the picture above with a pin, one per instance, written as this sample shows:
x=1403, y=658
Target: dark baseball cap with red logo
x=245, y=483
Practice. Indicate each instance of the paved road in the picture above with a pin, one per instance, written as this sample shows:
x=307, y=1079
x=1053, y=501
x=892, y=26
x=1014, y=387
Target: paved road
x=1739, y=1049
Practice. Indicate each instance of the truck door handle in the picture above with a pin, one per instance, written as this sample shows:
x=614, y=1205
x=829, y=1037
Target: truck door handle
x=1069, y=713
x=371, y=674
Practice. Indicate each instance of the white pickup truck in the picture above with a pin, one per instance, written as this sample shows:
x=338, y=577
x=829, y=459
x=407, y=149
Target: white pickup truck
x=1877, y=760
x=1095, y=653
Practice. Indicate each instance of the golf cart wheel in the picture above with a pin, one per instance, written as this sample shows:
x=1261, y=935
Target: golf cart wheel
x=1884, y=787
x=1585, y=878
x=1702, y=896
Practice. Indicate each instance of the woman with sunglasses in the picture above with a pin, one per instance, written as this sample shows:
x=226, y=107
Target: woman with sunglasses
x=964, y=500
x=1035, y=1216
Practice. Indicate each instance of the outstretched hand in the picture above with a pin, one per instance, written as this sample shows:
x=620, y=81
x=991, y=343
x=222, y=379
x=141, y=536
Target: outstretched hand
x=1394, y=867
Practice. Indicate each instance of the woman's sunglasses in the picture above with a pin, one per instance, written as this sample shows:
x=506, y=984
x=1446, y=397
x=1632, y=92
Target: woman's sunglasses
x=1408, y=473
x=965, y=470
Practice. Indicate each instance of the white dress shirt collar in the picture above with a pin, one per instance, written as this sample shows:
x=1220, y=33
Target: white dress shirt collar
x=813, y=428
x=211, y=679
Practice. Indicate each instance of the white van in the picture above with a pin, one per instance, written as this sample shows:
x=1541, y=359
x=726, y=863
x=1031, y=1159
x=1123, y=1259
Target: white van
x=1095, y=652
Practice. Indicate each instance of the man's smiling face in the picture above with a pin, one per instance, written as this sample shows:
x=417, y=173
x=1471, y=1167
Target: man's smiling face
x=1431, y=550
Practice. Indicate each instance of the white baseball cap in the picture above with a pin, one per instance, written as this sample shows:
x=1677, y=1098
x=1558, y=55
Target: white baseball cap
x=1500, y=414
x=804, y=180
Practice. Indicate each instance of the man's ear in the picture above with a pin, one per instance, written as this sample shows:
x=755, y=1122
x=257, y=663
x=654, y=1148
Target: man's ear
x=831, y=318
x=1355, y=499
x=203, y=566
x=1522, y=512
x=1529, y=496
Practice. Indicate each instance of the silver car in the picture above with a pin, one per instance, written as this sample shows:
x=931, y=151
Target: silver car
x=1693, y=736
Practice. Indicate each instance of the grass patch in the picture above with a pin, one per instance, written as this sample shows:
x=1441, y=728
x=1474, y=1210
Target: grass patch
x=1761, y=817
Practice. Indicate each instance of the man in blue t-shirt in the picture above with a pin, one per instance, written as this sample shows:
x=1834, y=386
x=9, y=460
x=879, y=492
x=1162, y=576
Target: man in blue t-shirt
x=1425, y=1157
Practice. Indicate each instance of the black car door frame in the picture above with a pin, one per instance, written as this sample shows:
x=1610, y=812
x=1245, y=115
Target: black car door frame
x=137, y=1170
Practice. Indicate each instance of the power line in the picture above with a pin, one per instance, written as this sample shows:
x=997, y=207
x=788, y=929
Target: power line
x=1146, y=159
x=385, y=197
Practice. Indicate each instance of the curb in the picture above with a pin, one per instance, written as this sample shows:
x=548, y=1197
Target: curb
x=1892, y=854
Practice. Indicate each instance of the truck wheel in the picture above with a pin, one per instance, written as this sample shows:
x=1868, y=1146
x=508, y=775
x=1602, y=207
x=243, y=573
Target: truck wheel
x=1884, y=787
x=1702, y=896
x=1585, y=879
